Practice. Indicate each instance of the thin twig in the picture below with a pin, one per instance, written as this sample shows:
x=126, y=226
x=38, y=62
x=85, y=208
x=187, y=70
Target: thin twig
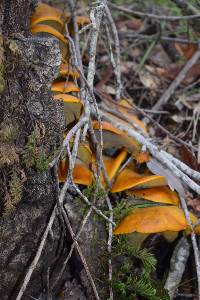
x=135, y=35
x=152, y=16
x=109, y=246
x=98, y=211
x=81, y=256
x=185, y=168
x=117, y=64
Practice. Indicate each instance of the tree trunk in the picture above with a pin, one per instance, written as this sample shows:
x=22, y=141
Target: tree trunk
x=31, y=129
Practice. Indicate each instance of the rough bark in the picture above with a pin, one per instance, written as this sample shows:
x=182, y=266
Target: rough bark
x=27, y=191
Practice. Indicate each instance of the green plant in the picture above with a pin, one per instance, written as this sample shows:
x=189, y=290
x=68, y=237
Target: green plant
x=91, y=189
x=132, y=273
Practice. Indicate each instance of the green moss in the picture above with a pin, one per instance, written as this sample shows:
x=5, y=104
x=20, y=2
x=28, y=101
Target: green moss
x=2, y=81
x=8, y=134
x=91, y=189
x=33, y=154
x=16, y=187
x=15, y=193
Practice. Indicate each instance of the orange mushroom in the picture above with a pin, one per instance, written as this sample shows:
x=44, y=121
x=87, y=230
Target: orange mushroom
x=81, y=174
x=152, y=220
x=113, y=137
x=46, y=12
x=43, y=28
x=129, y=179
x=64, y=87
x=72, y=107
x=66, y=69
x=161, y=194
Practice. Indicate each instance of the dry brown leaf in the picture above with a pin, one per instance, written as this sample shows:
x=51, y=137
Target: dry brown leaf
x=188, y=158
x=186, y=50
x=8, y=155
x=149, y=80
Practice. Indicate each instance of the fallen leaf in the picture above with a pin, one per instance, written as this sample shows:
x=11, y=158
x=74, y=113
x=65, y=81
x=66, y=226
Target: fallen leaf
x=172, y=71
x=188, y=158
x=149, y=80
x=194, y=203
x=186, y=50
